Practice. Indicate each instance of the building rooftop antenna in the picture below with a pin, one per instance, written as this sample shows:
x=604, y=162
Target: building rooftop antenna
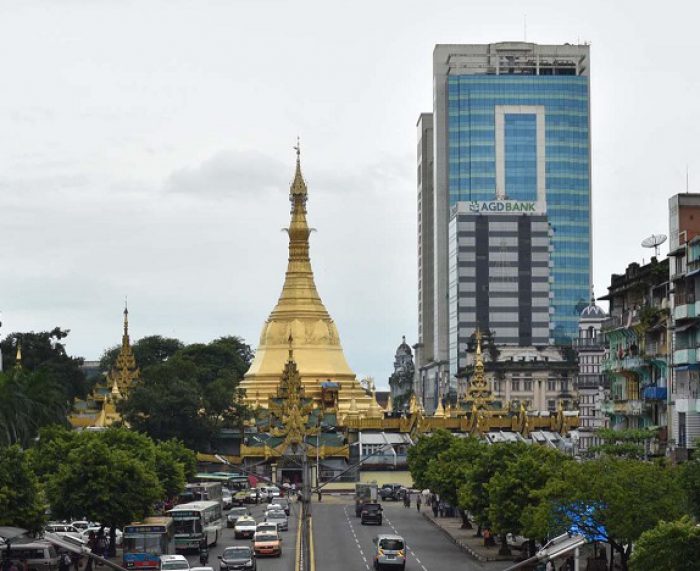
x=654, y=241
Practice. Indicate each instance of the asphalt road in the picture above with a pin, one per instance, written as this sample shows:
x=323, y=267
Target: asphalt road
x=284, y=563
x=343, y=544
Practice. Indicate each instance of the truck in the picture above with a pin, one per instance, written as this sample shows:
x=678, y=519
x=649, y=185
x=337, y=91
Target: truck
x=365, y=492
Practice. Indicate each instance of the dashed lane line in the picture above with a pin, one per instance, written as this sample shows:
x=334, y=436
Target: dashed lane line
x=409, y=549
x=357, y=541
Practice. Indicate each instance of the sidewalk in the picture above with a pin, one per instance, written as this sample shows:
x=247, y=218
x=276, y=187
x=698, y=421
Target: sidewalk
x=464, y=538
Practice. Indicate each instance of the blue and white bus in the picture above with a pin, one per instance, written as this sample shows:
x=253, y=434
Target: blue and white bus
x=144, y=542
x=197, y=524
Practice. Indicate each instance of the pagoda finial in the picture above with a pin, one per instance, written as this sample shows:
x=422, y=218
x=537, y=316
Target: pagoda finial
x=126, y=321
x=298, y=184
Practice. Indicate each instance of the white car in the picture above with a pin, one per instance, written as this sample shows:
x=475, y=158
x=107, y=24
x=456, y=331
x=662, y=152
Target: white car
x=267, y=526
x=245, y=527
x=85, y=534
x=83, y=524
x=174, y=563
x=63, y=530
x=273, y=508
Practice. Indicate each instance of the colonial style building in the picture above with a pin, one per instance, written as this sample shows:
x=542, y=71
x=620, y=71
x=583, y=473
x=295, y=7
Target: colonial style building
x=637, y=361
x=592, y=387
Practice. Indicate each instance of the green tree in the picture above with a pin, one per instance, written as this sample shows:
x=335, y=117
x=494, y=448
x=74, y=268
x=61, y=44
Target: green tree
x=170, y=472
x=20, y=503
x=512, y=493
x=426, y=449
x=45, y=351
x=617, y=498
x=671, y=546
x=690, y=478
x=148, y=351
x=186, y=457
x=28, y=401
x=191, y=395
x=52, y=449
x=103, y=484
x=473, y=493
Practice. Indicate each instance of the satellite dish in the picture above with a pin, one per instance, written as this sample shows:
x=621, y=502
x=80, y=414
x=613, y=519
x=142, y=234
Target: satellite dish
x=654, y=241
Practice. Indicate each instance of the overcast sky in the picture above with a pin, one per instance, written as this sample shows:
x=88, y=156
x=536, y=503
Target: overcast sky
x=146, y=150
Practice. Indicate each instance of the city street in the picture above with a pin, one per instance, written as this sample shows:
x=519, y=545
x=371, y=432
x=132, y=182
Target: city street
x=342, y=543
x=283, y=563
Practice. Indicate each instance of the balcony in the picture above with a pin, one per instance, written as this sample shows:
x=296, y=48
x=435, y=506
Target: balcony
x=655, y=393
x=628, y=407
x=684, y=311
x=631, y=363
x=598, y=342
x=592, y=382
x=607, y=407
x=685, y=356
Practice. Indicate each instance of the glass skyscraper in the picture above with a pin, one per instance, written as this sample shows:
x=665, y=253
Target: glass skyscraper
x=510, y=121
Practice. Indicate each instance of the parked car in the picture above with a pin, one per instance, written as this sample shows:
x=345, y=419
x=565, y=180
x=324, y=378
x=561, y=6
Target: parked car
x=174, y=563
x=389, y=551
x=63, y=530
x=267, y=543
x=38, y=554
x=278, y=517
x=245, y=527
x=82, y=524
x=238, y=557
x=371, y=513
x=390, y=492
x=234, y=514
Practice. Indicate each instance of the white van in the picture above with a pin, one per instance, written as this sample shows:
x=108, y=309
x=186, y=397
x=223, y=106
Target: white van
x=39, y=555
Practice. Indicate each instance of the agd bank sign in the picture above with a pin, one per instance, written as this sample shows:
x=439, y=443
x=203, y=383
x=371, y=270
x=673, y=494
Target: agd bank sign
x=503, y=207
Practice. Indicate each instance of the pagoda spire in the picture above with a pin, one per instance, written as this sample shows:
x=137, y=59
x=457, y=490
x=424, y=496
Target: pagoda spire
x=125, y=335
x=299, y=290
x=479, y=390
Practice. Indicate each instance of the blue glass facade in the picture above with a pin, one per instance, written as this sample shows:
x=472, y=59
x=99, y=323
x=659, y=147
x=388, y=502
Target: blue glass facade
x=521, y=156
x=472, y=102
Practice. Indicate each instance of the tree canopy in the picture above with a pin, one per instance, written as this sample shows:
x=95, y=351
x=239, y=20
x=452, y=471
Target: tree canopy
x=613, y=499
x=20, y=500
x=424, y=450
x=671, y=546
x=191, y=395
x=42, y=390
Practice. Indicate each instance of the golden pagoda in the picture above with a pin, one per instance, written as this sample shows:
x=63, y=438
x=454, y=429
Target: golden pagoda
x=301, y=316
x=99, y=410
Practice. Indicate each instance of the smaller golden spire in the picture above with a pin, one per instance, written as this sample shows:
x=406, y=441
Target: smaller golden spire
x=440, y=410
x=479, y=390
x=375, y=410
x=18, y=356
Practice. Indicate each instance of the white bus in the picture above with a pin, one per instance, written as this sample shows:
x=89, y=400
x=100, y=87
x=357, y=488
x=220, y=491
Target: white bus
x=197, y=523
x=202, y=492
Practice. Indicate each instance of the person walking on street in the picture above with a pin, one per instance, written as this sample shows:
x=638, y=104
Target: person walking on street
x=418, y=502
x=435, y=508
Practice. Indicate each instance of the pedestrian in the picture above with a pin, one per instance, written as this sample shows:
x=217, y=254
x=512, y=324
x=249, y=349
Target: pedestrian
x=441, y=508
x=435, y=508
x=64, y=562
x=487, y=537
x=320, y=497
x=257, y=496
x=418, y=502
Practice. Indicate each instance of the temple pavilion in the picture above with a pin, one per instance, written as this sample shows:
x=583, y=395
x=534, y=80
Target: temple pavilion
x=99, y=409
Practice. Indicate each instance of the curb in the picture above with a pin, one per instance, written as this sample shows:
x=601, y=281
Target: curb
x=463, y=546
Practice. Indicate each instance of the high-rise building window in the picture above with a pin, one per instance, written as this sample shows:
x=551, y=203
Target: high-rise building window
x=515, y=385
